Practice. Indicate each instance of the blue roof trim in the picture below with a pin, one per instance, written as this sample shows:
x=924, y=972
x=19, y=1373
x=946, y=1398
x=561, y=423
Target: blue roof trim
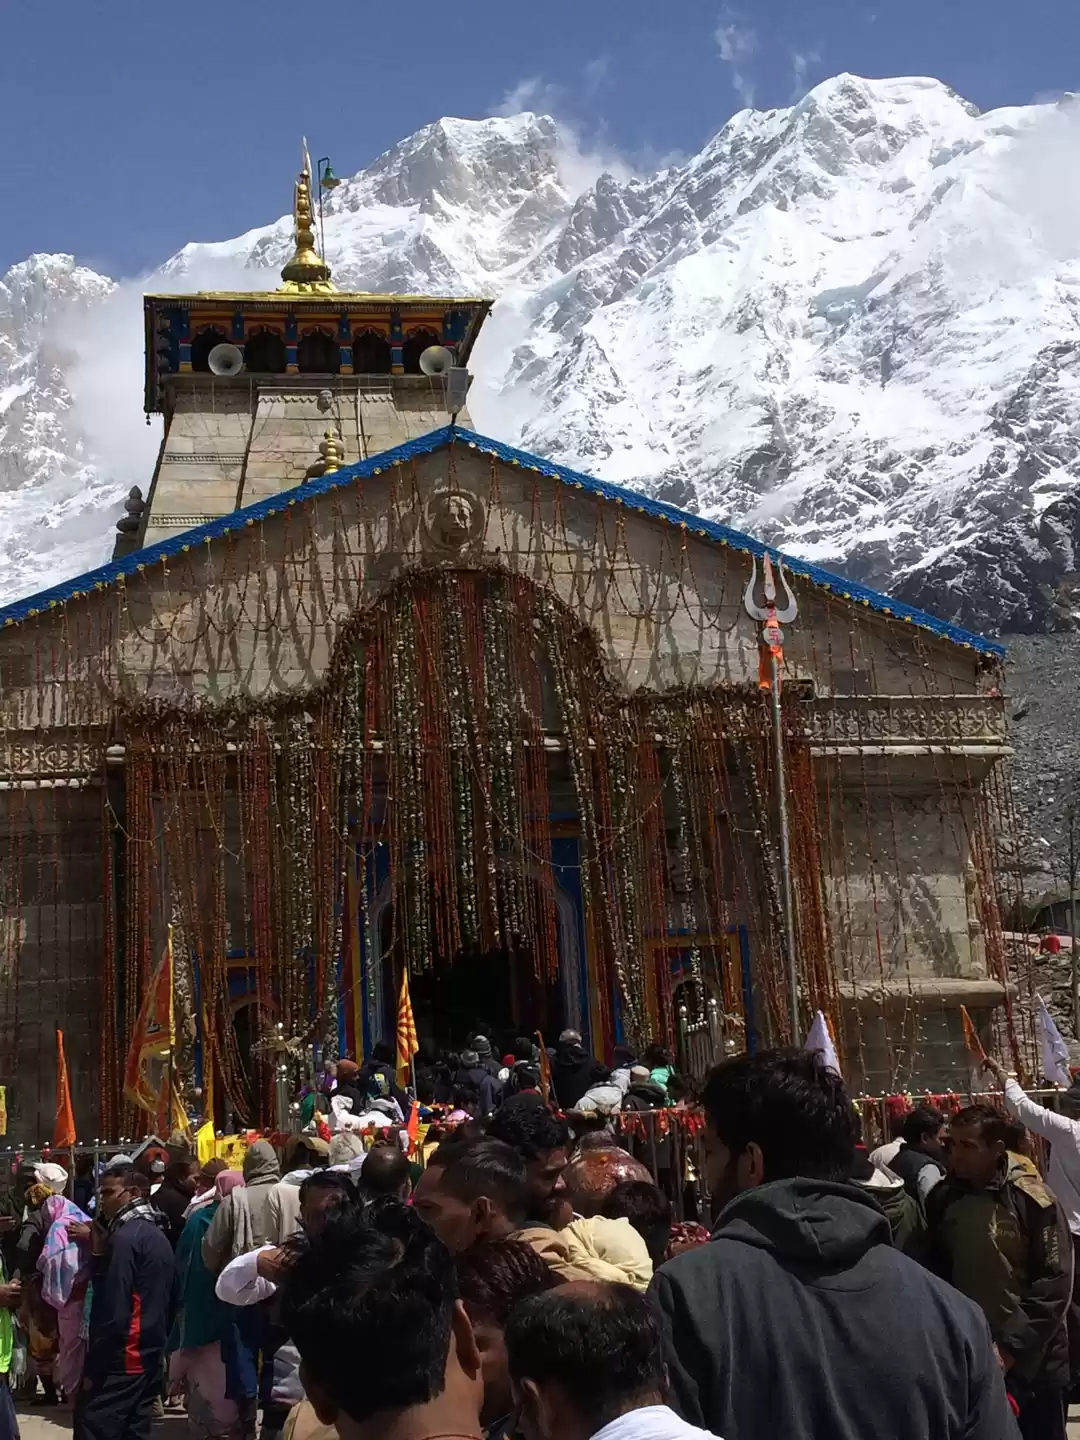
x=139, y=560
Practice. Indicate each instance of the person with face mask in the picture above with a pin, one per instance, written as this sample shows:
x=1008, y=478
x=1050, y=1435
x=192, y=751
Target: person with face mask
x=799, y=1318
x=136, y=1296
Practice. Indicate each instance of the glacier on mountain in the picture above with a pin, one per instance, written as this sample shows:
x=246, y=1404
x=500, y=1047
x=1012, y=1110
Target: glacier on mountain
x=849, y=326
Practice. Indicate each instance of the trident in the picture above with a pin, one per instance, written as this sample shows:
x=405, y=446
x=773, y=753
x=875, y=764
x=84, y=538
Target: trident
x=772, y=640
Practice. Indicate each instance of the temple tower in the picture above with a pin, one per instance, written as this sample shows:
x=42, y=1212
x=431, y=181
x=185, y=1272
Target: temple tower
x=251, y=420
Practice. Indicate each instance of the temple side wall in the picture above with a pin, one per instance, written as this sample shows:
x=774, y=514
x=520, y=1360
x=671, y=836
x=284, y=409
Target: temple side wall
x=50, y=961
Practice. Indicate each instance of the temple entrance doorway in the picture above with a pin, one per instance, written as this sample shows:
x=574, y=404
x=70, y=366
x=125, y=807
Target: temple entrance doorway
x=497, y=989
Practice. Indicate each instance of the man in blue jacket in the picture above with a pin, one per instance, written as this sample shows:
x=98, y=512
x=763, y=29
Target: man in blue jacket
x=136, y=1295
x=799, y=1319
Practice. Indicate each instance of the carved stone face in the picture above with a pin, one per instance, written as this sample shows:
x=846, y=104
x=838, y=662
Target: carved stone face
x=453, y=519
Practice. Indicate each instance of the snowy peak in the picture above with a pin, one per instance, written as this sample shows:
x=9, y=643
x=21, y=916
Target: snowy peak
x=849, y=325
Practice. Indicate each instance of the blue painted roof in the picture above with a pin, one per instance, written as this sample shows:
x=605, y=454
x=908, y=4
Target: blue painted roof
x=139, y=560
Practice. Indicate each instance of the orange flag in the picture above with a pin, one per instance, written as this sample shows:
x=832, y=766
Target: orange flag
x=64, y=1128
x=971, y=1036
x=413, y=1127
x=407, y=1041
x=145, y=1070
x=545, y=1069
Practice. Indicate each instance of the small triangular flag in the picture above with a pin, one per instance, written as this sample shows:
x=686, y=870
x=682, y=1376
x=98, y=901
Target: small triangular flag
x=820, y=1038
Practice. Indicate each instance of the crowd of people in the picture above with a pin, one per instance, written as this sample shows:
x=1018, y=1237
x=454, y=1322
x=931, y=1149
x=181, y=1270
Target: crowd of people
x=474, y=1082
x=528, y=1280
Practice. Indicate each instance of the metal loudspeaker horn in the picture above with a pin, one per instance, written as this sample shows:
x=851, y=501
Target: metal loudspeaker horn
x=436, y=360
x=226, y=359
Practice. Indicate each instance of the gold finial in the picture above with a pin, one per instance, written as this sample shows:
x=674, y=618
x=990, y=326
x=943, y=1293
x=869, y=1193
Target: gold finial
x=330, y=453
x=307, y=269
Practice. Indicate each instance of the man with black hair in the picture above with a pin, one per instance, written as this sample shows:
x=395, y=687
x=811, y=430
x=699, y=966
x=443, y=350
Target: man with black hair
x=586, y=1363
x=543, y=1142
x=649, y=1211
x=920, y=1161
x=998, y=1234
x=472, y=1190
x=387, y=1350
x=799, y=1318
x=385, y=1174
x=136, y=1296
x=493, y=1276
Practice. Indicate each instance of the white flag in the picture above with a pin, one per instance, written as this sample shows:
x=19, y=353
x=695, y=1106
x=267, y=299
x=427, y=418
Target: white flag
x=1055, y=1053
x=820, y=1039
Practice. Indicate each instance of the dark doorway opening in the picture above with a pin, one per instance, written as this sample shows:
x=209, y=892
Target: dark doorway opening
x=201, y=346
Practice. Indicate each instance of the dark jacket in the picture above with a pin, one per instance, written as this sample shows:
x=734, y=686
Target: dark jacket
x=172, y=1200
x=378, y=1081
x=136, y=1297
x=909, y=1163
x=907, y=1223
x=800, y=1320
x=571, y=1074
x=30, y=1243
x=1009, y=1249
x=644, y=1095
x=489, y=1089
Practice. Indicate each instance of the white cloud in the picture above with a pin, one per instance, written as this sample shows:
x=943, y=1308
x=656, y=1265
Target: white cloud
x=105, y=373
x=801, y=61
x=585, y=151
x=736, y=43
x=595, y=75
x=531, y=93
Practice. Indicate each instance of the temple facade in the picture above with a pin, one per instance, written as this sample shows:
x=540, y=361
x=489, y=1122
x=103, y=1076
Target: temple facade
x=363, y=693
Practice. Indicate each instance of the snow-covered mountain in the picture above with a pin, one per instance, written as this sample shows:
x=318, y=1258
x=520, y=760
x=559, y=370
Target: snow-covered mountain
x=850, y=326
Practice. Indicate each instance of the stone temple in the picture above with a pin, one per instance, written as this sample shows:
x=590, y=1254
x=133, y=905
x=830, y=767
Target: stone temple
x=365, y=693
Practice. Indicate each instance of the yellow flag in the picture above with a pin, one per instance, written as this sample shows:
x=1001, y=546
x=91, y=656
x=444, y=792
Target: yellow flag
x=204, y=1142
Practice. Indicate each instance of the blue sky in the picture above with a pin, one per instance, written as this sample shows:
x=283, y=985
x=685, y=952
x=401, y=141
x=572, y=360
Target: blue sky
x=131, y=126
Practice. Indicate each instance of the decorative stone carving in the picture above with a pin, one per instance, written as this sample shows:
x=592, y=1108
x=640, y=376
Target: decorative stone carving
x=885, y=720
x=453, y=520
x=24, y=755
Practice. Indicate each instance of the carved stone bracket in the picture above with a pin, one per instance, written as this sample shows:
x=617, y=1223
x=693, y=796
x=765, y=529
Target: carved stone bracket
x=893, y=720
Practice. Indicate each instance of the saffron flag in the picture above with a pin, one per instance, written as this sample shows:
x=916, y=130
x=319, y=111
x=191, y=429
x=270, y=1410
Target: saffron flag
x=971, y=1036
x=1055, y=1053
x=413, y=1127
x=64, y=1126
x=545, y=1069
x=407, y=1042
x=820, y=1038
x=147, y=1064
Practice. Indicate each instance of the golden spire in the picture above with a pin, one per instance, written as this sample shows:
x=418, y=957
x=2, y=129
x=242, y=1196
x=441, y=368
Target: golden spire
x=307, y=269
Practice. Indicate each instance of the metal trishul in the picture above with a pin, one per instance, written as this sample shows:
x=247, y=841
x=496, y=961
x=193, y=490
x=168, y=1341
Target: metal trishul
x=772, y=636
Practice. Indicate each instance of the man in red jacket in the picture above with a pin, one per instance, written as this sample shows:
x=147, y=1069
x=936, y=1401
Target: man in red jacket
x=136, y=1295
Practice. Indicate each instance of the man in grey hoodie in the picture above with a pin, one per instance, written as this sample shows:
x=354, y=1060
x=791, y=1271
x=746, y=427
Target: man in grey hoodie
x=799, y=1319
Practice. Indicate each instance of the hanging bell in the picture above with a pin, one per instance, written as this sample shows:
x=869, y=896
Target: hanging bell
x=328, y=180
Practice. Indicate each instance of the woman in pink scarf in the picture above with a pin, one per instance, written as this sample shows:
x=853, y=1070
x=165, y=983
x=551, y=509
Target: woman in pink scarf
x=64, y=1265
